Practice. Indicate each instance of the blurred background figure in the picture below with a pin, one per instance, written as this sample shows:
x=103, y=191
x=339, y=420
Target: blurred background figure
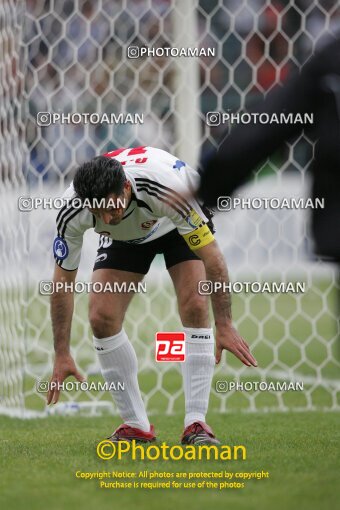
x=316, y=90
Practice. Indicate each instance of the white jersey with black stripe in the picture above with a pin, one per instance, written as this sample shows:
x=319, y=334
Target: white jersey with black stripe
x=160, y=184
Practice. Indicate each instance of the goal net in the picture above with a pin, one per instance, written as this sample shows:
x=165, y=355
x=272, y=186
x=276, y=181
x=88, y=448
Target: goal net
x=65, y=64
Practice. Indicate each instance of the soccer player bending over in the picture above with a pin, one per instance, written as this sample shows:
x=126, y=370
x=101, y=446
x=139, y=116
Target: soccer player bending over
x=148, y=185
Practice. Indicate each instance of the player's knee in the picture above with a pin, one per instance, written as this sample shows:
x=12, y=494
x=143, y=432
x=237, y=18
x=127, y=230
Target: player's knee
x=103, y=324
x=194, y=311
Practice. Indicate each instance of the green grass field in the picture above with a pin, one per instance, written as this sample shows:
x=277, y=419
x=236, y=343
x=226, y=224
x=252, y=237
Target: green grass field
x=300, y=451
x=39, y=457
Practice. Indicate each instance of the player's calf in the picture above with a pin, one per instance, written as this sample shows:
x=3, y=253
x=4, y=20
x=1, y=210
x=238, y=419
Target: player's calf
x=193, y=311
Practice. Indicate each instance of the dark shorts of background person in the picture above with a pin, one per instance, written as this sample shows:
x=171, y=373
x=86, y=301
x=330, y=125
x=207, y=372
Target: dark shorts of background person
x=137, y=258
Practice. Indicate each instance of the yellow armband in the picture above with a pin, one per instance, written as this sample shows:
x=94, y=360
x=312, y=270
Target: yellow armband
x=199, y=237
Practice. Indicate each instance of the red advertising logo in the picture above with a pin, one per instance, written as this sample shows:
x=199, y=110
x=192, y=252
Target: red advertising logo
x=170, y=346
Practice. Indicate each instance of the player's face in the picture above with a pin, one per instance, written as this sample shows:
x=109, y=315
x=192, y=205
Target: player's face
x=116, y=206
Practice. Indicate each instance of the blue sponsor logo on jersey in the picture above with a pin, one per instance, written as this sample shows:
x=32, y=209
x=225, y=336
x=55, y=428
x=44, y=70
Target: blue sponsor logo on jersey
x=178, y=165
x=194, y=219
x=141, y=239
x=188, y=220
x=60, y=248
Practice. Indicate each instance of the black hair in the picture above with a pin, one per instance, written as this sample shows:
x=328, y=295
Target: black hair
x=99, y=177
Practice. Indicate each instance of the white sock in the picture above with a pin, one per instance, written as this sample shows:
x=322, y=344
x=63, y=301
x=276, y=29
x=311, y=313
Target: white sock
x=118, y=362
x=197, y=372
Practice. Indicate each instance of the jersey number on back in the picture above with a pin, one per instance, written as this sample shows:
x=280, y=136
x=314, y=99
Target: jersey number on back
x=130, y=152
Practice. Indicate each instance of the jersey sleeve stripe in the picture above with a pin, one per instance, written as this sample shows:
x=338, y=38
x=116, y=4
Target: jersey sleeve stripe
x=171, y=204
x=160, y=193
x=63, y=217
x=61, y=212
x=66, y=219
x=185, y=204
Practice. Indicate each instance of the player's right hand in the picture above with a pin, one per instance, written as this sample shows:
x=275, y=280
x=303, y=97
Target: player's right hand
x=64, y=366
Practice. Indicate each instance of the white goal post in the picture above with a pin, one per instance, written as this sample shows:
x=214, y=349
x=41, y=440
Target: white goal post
x=71, y=57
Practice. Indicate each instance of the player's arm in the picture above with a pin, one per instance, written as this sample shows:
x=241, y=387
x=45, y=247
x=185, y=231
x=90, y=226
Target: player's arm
x=62, y=305
x=71, y=225
x=226, y=335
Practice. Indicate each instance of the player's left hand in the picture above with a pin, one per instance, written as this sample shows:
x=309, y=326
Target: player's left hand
x=64, y=366
x=229, y=339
